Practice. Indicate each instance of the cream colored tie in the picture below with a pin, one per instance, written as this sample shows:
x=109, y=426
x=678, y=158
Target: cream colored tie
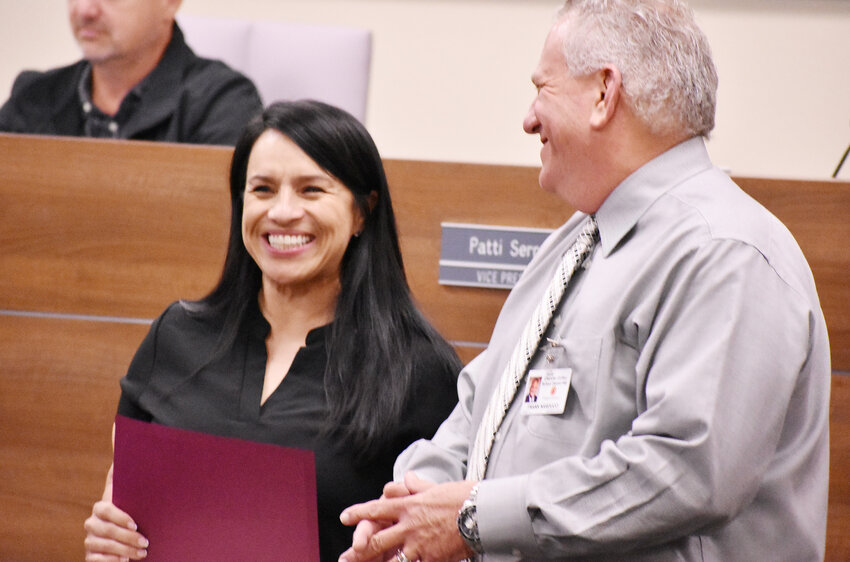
x=525, y=349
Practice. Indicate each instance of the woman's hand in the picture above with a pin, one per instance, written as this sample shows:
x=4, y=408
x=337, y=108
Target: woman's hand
x=111, y=534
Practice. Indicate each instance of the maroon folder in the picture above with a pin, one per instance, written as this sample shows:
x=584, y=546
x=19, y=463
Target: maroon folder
x=202, y=497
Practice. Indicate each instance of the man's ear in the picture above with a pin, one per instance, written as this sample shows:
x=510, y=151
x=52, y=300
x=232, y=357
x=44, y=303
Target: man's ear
x=609, y=82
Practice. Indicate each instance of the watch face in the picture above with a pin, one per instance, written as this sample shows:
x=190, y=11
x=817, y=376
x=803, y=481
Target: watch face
x=467, y=522
x=468, y=527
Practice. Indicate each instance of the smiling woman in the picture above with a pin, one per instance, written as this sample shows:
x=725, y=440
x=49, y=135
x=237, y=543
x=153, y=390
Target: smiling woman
x=298, y=219
x=311, y=325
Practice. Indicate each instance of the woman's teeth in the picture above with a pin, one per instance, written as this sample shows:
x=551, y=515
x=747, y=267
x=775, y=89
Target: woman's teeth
x=288, y=241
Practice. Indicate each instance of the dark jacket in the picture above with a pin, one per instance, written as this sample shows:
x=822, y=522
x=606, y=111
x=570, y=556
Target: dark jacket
x=184, y=99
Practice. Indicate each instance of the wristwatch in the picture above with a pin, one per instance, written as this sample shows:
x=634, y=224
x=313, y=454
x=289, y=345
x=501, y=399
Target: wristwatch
x=467, y=522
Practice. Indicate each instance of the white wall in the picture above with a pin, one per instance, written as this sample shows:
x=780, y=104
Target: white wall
x=450, y=78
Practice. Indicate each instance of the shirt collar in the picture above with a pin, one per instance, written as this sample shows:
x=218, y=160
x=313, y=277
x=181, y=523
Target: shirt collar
x=156, y=92
x=629, y=201
x=98, y=123
x=152, y=98
x=257, y=326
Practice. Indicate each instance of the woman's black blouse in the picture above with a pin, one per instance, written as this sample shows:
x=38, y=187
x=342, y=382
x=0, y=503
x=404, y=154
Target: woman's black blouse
x=169, y=383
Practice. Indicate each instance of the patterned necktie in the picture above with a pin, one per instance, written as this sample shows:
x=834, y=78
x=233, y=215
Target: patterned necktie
x=525, y=349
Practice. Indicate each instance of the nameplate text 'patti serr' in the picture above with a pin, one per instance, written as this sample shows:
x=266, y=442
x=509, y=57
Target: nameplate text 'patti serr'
x=486, y=256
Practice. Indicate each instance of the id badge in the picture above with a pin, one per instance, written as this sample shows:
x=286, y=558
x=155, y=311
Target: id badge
x=546, y=391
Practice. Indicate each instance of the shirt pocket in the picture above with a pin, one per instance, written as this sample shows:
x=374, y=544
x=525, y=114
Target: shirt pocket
x=581, y=355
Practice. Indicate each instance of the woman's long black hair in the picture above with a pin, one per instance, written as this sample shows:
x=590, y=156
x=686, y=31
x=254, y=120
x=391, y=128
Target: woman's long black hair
x=376, y=324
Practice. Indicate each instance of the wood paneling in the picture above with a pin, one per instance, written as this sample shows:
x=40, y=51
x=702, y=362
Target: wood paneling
x=117, y=230
x=838, y=516
x=426, y=194
x=94, y=227
x=122, y=229
x=58, y=394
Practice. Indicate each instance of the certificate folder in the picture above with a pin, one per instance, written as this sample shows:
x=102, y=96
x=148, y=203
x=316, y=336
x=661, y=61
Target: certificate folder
x=201, y=497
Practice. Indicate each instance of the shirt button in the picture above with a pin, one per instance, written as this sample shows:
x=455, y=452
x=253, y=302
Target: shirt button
x=113, y=126
x=87, y=107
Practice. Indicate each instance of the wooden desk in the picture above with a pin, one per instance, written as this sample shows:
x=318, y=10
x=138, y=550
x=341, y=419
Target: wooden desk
x=97, y=237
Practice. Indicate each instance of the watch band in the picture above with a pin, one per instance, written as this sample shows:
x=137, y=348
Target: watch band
x=467, y=522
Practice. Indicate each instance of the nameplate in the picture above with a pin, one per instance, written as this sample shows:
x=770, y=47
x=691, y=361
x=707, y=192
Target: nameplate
x=486, y=256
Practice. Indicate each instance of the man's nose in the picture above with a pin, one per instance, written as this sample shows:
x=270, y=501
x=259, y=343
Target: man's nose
x=85, y=8
x=531, y=124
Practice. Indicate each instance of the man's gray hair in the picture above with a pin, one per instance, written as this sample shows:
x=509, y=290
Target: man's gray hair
x=669, y=79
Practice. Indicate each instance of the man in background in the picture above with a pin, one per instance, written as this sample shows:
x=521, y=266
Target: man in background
x=138, y=80
x=681, y=315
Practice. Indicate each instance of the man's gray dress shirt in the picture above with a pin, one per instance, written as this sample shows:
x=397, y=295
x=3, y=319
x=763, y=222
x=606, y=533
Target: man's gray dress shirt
x=696, y=423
